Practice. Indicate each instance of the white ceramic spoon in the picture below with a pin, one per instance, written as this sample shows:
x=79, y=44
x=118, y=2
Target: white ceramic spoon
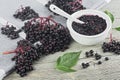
x=59, y=11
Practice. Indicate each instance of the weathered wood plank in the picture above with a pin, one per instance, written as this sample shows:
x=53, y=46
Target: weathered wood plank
x=110, y=70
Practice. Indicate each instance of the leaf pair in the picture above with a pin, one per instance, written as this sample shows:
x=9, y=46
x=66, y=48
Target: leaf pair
x=67, y=61
x=112, y=18
x=110, y=15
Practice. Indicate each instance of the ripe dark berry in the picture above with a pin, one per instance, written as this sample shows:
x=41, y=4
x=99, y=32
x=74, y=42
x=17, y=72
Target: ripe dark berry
x=106, y=58
x=10, y=31
x=97, y=56
x=99, y=62
x=89, y=54
x=91, y=51
x=85, y=65
x=113, y=46
x=26, y=13
x=53, y=37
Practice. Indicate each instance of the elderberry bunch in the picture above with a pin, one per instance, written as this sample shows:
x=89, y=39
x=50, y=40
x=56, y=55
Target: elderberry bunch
x=26, y=54
x=26, y=13
x=113, y=46
x=52, y=37
x=69, y=6
x=10, y=31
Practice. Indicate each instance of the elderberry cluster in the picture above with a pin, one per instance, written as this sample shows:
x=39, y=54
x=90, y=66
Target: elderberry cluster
x=26, y=54
x=26, y=13
x=53, y=38
x=69, y=6
x=97, y=57
x=113, y=46
x=94, y=25
x=10, y=31
x=92, y=54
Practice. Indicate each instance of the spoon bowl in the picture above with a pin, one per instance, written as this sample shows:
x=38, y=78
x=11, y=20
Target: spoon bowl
x=89, y=40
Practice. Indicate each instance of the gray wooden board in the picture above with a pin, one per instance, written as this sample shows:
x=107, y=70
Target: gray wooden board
x=45, y=67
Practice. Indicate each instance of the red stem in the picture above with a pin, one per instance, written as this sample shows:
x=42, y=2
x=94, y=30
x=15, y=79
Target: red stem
x=9, y=52
x=111, y=37
x=22, y=8
x=74, y=8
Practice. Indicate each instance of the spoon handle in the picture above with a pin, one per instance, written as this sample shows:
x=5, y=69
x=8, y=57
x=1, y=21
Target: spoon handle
x=64, y=14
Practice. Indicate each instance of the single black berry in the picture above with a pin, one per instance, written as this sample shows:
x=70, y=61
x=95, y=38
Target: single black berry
x=106, y=58
x=99, y=62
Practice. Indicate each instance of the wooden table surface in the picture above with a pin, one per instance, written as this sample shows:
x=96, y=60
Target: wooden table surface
x=110, y=70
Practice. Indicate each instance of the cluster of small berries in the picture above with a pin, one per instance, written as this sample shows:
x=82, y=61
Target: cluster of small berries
x=97, y=56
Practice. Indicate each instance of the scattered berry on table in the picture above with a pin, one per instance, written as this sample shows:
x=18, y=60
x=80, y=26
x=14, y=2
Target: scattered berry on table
x=99, y=62
x=89, y=53
x=25, y=13
x=106, y=58
x=85, y=65
x=97, y=56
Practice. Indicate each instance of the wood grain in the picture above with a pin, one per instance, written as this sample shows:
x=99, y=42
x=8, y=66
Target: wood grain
x=110, y=70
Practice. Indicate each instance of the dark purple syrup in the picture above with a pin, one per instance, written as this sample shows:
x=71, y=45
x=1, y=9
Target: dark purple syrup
x=93, y=25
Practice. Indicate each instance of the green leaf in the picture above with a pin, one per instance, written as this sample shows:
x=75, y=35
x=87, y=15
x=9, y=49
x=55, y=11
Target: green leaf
x=67, y=61
x=118, y=28
x=58, y=60
x=110, y=15
x=66, y=69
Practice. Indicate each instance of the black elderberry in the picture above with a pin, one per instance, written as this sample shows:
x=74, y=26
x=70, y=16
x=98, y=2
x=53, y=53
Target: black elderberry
x=99, y=62
x=10, y=31
x=106, y=58
x=52, y=37
x=85, y=65
x=90, y=53
x=26, y=13
x=97, y=56
x=23, y=59
x=87, y=54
